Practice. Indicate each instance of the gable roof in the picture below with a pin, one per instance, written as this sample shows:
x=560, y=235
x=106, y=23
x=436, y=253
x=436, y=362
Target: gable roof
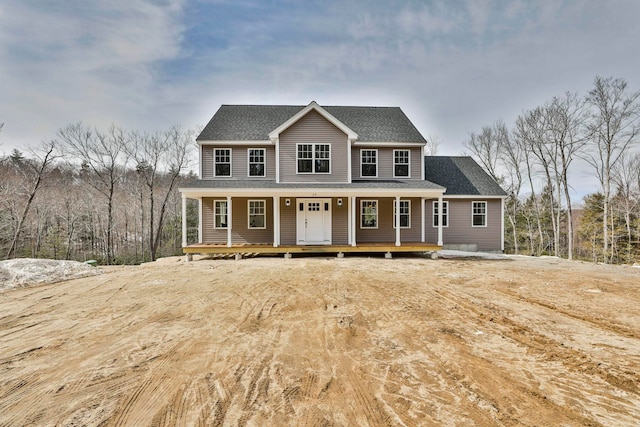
x=255, y=122
x=461, y=176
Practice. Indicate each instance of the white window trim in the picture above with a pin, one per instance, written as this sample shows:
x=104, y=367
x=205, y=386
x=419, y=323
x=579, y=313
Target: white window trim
x=264, y=163
x=444, y=214
x=230, y=162
x=362, y=202
x=313, y=159
x=264, y=214
x=408, y=213
x=408, y=163
x=486, y=213
x=215, y=214
x=377, y=162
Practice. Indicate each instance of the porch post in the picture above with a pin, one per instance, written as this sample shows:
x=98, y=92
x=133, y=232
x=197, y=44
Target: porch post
x=422, y=220
x=397, y=220
x=200, y=233
x=440, y=209
x=229, y=221
x=184, y=220
x=276, y=221
x=349, y=222
x=354, y=217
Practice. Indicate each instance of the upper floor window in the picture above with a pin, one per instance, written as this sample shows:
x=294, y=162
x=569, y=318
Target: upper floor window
x=313, y=158
x=222, y=162
x=368, y=214
x=257, y=162
x=220, y=214
x=405, y=213
x=369, y=163
x=479, y=214
x=445, y=214
x=401, y=163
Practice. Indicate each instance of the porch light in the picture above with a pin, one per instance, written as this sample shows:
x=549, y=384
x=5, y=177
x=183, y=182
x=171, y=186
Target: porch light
x=287, y=202
x=339, y=202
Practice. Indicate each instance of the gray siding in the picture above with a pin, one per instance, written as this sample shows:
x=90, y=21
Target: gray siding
x=287, y=221
x=339, y=222
x=385, y=163
x=313, y=128
x=385, y=231
x=460, y=230
x=239, y=162
x=240, y=231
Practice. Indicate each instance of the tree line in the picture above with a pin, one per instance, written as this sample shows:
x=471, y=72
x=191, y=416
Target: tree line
x=533, y=159
x=109, y=195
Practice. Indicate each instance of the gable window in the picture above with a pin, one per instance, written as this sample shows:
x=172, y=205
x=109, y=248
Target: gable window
x=313, y=158
x=479, y=214
x=256, y=214
x=401, y=163
x=222, y=162
x=405, y=213
x=369, y=163
x=368, y=214
x=256, y=162
x=220, y=214
x=445, y=214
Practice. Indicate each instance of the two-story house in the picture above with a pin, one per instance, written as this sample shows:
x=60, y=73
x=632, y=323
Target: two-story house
x=286, y=179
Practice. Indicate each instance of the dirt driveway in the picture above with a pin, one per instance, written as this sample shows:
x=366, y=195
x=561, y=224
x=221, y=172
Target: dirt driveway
x=324, y=341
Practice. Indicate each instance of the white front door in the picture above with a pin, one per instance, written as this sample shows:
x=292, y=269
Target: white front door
x=313, y=221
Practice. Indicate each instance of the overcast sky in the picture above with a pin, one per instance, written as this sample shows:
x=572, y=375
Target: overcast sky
x=452, y=66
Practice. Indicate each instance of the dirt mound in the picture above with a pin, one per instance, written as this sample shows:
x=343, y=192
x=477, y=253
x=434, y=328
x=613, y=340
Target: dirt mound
x=23, y=272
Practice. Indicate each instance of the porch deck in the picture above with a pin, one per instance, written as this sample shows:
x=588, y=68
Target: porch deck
x=386, y=247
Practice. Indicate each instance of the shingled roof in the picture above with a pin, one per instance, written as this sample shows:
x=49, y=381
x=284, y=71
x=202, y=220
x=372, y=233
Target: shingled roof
x=255, y=122
x=461, y=176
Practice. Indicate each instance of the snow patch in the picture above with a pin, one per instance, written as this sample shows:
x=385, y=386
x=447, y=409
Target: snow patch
x=24, y=272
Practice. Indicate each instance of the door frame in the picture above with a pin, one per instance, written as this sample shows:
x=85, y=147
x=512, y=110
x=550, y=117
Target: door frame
x=301, y=218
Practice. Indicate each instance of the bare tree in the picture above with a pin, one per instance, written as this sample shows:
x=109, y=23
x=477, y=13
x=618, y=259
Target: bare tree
x=105, y=155
x=613, y=129
x=33, y=171
x=626, y=178
x=160, y=158
x=487, y=147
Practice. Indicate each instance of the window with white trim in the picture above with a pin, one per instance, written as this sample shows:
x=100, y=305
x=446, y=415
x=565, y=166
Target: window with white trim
x=368, y=214
x=368, y=163
x=445, y=214
x=257, y=214
x=401, y=161
x=405, y=213
x=313, y=158
x=222, y=162
x=220, y=215
x=479, y=214
x=257, y=161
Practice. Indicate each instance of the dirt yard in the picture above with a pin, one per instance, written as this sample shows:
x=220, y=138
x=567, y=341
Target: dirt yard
x=326, y=341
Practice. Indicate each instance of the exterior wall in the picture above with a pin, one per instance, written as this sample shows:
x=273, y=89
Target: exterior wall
x=239, y=162
x=310, y=129
x=460, y=231
x=240, y=231
x=385, y=163
x=339, y=222
x=385, y=231
x=287, y=221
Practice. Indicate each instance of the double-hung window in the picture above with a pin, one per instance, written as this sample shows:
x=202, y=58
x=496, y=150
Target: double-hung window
x=405, y=213
x=368, y=163
x=479, y=214
x=257, y=214
x=313, y=158
x=221, y=216
x=368, y=214
x=222, y=162
x=445, y=214
x=401, y=159
x=257, y=161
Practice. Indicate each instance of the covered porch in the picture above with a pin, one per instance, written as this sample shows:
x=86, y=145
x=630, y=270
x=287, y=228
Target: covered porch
x=294, y=218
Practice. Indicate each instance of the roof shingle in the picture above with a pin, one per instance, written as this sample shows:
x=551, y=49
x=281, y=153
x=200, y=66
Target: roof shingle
x=461, y=176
